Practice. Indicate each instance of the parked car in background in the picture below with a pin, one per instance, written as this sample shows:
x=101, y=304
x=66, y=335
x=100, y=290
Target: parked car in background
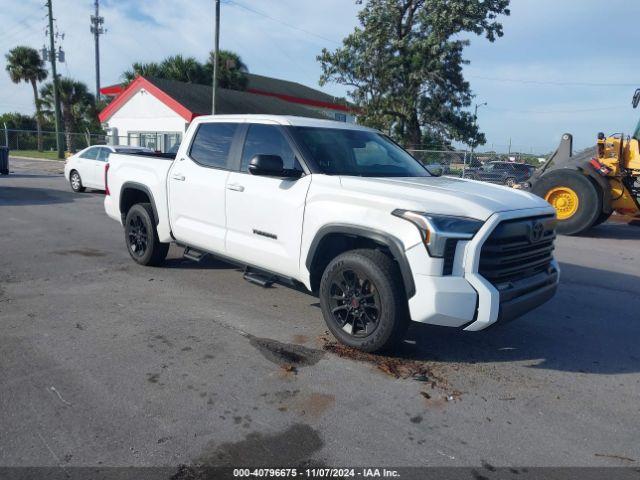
x=86, y=168
x=503, y=173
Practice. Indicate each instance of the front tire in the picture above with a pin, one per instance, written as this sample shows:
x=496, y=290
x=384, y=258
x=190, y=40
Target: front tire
x=141, y=236
x=363, y=300
x=76, y=182
x=510, y=182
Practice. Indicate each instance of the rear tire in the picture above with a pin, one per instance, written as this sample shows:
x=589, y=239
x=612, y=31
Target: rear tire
x=576, y=200
x=363, y=300
x=141, y=236
x=76, y=182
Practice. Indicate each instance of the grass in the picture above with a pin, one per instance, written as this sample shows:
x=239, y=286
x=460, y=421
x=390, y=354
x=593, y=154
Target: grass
x=34, y=154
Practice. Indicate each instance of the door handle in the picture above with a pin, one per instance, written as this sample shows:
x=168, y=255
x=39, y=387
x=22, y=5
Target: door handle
x=178, y=176
x=235, y=187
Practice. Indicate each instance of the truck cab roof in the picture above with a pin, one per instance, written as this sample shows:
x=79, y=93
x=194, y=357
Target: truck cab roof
x=281, y=120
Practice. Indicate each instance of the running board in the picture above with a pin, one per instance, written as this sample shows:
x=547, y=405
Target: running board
x=261, y=279
x=193, y=254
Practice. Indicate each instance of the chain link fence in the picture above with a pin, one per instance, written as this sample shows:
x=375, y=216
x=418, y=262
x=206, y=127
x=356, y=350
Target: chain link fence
x=26, y=141
x=464, y=163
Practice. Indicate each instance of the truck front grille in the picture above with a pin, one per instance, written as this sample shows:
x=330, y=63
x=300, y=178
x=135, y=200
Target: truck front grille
x=449, y=255
x=518, y=249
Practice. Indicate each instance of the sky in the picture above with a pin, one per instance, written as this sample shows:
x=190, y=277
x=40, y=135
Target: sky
x=561, y=66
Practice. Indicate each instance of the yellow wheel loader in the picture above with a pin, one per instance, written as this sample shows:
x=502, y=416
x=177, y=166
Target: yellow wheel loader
x=586, y=188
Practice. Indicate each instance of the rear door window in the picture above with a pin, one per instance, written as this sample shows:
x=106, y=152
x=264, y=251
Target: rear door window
x=103, y=155
x=212, y=143
x=90, y=153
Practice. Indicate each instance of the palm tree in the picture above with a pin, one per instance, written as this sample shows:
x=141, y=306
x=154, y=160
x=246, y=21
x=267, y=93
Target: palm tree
x=77, y=105
x=231, y=72
x=151, y=69
x=25, y=65
x=175, y=67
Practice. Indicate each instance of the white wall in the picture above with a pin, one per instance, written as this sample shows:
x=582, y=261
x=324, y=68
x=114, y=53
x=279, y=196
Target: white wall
x=145, y=113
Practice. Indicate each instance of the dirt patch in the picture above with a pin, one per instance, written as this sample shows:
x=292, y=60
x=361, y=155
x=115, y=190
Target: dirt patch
x=290, y=447
x=85, y=252
x=396, y=367
x=289, y=357
x=316, y=404
x=300, y=339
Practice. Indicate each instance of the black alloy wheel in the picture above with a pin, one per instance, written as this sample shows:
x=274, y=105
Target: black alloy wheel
x=355, y=303
x=363, y=300
x=141, y=236
x=137, y=236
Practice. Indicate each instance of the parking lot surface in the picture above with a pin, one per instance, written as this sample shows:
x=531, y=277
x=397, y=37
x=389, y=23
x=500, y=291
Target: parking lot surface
x=104, y=362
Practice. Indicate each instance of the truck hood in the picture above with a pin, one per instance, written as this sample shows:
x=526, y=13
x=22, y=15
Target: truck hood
x=445, y=195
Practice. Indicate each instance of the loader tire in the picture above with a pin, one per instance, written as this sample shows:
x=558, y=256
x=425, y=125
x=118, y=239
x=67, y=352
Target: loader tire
x=576, y=200
x=603, y=217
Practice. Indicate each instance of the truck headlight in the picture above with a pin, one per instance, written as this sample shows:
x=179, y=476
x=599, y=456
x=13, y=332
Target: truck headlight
x=436, y=229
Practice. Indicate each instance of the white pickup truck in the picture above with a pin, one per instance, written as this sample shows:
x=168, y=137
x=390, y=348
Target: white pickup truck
x=344, y=211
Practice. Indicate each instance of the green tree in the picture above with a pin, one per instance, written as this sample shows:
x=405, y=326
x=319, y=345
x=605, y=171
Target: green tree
x=188, y=69
x=77, y=105
x=175, y=67
x=232, y=71
x=25, y=65
x=17, y=121
x=404, y=63
x=151, y=69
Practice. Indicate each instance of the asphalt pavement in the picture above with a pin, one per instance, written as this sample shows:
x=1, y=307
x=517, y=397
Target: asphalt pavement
x=104, y=362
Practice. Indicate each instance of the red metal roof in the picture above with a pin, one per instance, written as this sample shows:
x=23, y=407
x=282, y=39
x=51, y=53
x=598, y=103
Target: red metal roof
x=134, y=87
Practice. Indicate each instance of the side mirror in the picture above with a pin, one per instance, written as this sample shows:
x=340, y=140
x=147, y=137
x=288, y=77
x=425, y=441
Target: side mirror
x=271, y=166
x=435, y=170
x=267, y=165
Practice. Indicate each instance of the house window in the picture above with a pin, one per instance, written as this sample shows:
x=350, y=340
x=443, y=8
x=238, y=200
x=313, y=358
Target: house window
x=340, y=117
x=160, y=141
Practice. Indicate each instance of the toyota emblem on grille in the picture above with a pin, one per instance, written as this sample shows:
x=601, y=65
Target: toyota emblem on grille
x=536, y=232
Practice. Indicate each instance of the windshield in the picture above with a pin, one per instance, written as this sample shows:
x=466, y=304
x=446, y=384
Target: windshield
x=357, y=152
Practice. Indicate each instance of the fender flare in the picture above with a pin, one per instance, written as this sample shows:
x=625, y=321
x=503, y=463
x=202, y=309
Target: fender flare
x=604, y=185
x=142, y=188
x=394, y=245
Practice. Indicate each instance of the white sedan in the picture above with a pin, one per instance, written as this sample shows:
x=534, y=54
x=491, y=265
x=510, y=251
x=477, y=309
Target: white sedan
x=86, y=168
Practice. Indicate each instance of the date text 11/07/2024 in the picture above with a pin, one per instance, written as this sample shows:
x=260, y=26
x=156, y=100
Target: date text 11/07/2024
x=316, y=472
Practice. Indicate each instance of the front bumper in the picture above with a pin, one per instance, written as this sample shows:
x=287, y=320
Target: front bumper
x=467, y=298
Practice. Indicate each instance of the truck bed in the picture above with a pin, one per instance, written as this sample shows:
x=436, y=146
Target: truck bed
x=148, y=171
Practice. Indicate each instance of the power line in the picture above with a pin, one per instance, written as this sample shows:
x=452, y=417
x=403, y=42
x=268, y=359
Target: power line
x=552, y=82
x=579, y=110
x=19, y=26
x=233, y=3
x=21, y=32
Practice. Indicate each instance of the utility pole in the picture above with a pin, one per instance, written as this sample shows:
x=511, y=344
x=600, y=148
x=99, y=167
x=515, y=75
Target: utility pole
x=56, y=96
x=216, y=48
x=97, y=30
x=473, y=145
